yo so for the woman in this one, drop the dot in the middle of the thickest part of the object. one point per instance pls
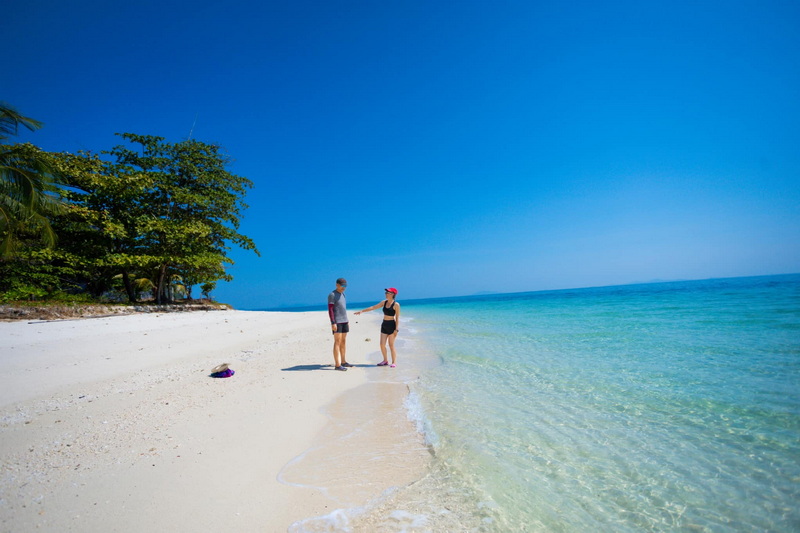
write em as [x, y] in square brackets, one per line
[390, 326]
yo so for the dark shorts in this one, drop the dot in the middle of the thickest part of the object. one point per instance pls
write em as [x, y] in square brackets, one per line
[344, 327]
[388, 327]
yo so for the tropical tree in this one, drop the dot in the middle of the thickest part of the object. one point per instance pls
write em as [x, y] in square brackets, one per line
[28, 185]
[159, 219]
[188, 213]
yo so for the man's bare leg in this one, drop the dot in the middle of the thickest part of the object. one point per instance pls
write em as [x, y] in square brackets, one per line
[343, 350]
[338, 354]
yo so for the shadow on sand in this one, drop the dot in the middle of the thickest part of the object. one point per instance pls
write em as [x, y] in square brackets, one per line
[306, 368]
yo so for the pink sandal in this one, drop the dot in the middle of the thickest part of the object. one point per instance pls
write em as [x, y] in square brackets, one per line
[392, 365]
[383, 363]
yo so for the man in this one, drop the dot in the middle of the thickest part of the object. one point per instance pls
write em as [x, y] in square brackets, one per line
[337, 310]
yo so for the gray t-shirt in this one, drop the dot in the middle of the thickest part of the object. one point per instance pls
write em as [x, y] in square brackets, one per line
[337, 307]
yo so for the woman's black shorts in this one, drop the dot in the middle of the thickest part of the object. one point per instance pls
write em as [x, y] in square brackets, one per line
[388, 327]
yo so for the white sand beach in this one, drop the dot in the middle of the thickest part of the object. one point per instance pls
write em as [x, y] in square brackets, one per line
[113, 424]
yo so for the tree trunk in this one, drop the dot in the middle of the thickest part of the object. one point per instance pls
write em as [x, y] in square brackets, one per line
[162, 275]
[129, 287]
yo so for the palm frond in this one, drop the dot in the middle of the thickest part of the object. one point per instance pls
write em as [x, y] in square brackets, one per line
[143, 284]
[28, 195]
[11, 119]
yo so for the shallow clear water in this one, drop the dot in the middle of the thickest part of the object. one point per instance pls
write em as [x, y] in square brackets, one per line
[672, 406]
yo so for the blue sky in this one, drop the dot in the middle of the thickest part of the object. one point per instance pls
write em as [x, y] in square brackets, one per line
[448, 148]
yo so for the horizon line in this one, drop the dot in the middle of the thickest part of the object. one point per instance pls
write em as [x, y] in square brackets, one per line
[487, 294]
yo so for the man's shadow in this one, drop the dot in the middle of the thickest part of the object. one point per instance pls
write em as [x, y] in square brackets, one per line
[306, 368]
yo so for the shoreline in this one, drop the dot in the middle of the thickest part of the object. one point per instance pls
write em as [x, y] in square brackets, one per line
[370, 451]
[114, 423]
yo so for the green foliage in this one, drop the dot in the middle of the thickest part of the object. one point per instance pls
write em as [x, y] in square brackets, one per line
[37, 273]
[155, 221]
[151, 218]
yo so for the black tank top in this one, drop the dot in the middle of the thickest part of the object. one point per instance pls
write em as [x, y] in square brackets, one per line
[389, 311]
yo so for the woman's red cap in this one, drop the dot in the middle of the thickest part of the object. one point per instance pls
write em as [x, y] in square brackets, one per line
[392, 290]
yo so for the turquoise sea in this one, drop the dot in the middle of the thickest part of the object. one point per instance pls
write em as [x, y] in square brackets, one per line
[657, 407]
